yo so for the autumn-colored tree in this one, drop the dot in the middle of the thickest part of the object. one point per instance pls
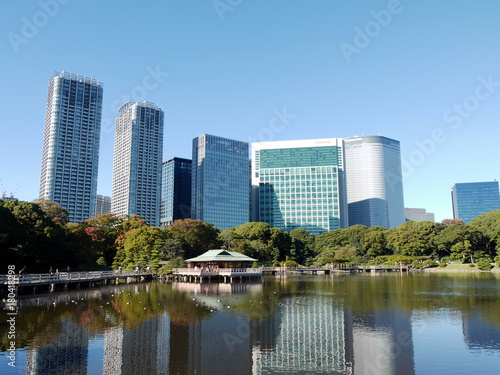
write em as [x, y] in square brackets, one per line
[54, 211]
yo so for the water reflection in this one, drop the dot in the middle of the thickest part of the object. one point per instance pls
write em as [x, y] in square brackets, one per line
[304, 325]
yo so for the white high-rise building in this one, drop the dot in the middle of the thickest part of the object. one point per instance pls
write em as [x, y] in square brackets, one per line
[374, 181]
[70, 155]
[137, 161]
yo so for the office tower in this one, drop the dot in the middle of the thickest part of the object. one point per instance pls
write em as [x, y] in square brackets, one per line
[220, 181]
[102, 205]
[70, 155]
[472, 199]
[374, 181]
[137, 161]
[175, 191]
[300, 184]
[418, 214]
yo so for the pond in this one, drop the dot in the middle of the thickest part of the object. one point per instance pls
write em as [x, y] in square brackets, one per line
[392, 323]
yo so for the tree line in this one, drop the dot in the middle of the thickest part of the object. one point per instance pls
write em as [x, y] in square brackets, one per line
[37, 235]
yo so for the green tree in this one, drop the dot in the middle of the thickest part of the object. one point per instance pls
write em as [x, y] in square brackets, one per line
[460, 241]
[489, 224]
[195, 236]
[54, 211]
[375, 243]
[302, 246]
[414, 238]
[142, 247]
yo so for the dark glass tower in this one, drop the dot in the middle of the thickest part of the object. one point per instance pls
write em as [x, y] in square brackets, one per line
[220, 191]
[175, 191]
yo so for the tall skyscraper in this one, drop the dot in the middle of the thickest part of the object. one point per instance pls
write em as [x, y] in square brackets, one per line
[220, 191]
[374, 181]
[472, 199]
[300, 184]
[71, 144]
[137, 161]
[175, 191]
[102, 205]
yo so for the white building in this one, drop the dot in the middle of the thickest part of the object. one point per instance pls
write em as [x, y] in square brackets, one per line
[70, 155]
[374, 181]
[137, 161]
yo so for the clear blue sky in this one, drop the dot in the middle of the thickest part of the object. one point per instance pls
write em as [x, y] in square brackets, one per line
[424, 72]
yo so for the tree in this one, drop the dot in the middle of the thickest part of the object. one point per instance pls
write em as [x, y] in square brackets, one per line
[195, 236]
[302, 247]
[414, 238]
[489, 224]
[142, 247]
[375, 243]
[459, 241]
[54, 211]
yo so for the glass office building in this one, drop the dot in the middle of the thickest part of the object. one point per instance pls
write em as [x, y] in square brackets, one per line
[472, 199]
[70, 155]
[220, 190]
[175, 191]
[137, 161]
[300, 184]
[374, 181]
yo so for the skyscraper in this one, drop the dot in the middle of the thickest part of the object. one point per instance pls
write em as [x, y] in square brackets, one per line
[137, 161]
[472, 199]
[71, 144]
[300, 184]
[374, 181]
[102, 205]
[220, 191]
[175, 191]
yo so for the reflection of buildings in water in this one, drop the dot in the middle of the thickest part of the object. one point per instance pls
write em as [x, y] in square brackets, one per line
[142, 350]
[379, 342]
[64, 355]
[216, 288]
[305, 335]
[478, 334]
[220, 345]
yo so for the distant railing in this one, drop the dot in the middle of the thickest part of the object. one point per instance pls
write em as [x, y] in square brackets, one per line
[216, 271]
[61, 277]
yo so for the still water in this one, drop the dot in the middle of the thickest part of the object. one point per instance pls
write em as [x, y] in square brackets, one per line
[417, 323]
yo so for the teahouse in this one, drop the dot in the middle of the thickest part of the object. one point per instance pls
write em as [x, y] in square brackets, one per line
[220, 258]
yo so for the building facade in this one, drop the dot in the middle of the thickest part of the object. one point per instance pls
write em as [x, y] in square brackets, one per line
[102, 205]
[220, 191]
[70, 156]
[472, 199]
[175, 191]
[374, 181]
[418, 214]
[137, 160]
[300, 184]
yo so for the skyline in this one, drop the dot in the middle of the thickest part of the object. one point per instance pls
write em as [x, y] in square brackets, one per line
[422, 73]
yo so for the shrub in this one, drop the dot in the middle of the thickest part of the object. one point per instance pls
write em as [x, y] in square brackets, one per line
[472, 265]
[484, 265]
[442, 264]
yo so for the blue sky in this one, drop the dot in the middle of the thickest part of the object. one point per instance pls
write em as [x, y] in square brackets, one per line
[426, 73]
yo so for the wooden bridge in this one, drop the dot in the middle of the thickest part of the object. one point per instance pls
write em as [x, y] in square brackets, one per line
[51, 281]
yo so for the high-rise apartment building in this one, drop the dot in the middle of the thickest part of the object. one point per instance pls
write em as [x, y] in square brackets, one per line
[300, 184]
[70, 155]
[374, 181]
[220, 191]
[472, 199]
[175, 191]
[102, 205]
[137, 161]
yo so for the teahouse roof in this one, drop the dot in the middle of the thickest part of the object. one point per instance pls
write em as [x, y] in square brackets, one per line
[221, 255]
